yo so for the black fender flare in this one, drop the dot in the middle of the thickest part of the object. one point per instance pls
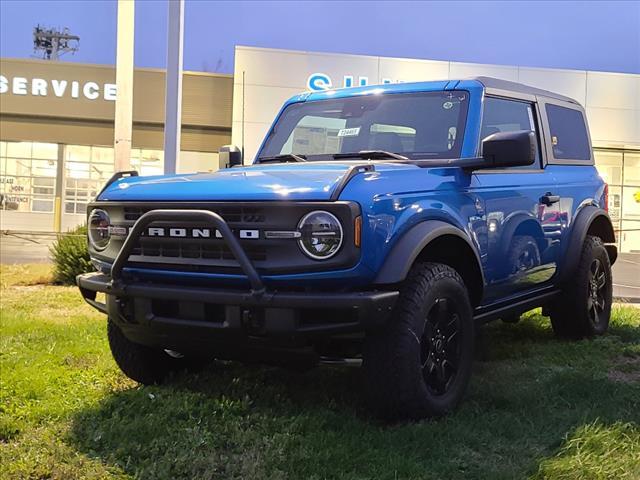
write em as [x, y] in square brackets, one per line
[574, 241]
[404, 253]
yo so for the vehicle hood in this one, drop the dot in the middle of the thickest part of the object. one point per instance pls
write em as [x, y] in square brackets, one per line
[317, 181]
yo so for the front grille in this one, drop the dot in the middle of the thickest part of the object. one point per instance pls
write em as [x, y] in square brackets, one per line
[211, 254]
[208, 252]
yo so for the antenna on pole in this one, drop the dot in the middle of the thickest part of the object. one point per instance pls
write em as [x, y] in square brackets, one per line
[52, 43]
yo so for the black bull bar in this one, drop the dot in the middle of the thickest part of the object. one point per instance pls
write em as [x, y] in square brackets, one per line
[280, 310]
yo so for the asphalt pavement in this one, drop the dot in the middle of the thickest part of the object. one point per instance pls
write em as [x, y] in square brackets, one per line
[33, 248]
[25, 248]
[626, 277]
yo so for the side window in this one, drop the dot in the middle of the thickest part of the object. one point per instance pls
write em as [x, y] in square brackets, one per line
[569, 138]
[502, 115]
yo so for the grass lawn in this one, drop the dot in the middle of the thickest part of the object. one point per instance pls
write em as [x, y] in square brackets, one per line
[536, 408]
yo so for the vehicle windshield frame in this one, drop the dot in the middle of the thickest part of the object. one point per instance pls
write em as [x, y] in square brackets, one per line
[455, 152]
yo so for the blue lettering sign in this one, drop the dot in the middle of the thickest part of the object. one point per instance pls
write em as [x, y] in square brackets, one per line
[318, 82]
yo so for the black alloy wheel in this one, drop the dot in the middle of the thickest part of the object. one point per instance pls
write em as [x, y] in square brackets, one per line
[596, 301]
[439, 346]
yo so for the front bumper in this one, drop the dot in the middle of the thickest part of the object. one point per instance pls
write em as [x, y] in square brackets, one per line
[156, 309]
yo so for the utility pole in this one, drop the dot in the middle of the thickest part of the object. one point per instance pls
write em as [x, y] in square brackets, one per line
[124, 84]
[173, 92]
[53, 42]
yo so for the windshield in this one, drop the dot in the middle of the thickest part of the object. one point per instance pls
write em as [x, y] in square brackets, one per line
[417, 126]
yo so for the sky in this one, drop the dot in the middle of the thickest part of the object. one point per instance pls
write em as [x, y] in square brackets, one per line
[586, 35]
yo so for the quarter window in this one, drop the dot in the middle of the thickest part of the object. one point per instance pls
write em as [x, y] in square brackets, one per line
[569, 137]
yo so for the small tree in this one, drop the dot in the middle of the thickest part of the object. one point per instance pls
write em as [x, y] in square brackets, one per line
[70, 255]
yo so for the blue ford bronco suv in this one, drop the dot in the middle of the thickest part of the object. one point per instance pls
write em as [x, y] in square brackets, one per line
[381, 224]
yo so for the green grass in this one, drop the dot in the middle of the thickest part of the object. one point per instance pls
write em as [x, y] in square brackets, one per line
[537, 408]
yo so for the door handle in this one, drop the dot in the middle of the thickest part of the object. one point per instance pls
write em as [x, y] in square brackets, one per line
[549, 199]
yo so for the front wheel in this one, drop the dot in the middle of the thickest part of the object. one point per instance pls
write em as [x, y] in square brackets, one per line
[585, 306]
[144, 364]
[419, 365]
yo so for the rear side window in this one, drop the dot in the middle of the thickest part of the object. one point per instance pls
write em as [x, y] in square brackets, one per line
[569, 137]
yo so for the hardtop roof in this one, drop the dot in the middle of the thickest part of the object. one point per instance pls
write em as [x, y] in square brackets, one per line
[490, 82]
[433, 85]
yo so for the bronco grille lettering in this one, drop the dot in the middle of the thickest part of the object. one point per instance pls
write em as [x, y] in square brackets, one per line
[172, 232]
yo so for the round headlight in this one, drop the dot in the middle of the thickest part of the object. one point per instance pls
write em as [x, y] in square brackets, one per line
[321, 235]
[98, 229]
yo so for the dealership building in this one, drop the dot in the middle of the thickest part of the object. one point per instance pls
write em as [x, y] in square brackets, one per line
[56, 122]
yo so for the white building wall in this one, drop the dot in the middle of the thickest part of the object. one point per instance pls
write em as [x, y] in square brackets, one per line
[265, 78]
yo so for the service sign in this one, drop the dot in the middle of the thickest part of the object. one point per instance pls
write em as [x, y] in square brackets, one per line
[61, 88]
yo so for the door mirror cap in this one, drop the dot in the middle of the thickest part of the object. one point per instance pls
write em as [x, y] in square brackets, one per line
[229, 156]
[509, 149]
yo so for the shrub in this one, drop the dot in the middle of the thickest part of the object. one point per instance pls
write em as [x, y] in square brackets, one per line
[70, 255]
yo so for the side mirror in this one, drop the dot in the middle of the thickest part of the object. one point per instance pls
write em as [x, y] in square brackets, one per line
[509, 149]
[229, 156]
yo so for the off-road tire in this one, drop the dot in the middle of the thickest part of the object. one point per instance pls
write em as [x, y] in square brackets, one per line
[395, 384]
[572, 315]
[144, 364]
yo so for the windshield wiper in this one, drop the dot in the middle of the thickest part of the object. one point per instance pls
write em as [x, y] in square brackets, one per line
[284, 158]
[370, 155]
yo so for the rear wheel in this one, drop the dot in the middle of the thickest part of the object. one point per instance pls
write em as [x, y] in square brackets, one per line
[585, 306]
[419, 365]
[144, 364]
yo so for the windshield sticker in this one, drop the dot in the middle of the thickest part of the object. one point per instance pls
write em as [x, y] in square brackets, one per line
[349, 132]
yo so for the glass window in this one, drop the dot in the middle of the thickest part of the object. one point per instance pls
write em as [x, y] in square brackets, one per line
[198, 161]
[44, 168]
[77, 153]
[615, 206]
[19, 149]
[632, 168]
[320, 129]
[102, 155]
[86, 170]
[569, 137]
[630, 238]
[27, 176]
[46, 151]
[148, 162]
[609, 165]
[77, 169]
[500, 115]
